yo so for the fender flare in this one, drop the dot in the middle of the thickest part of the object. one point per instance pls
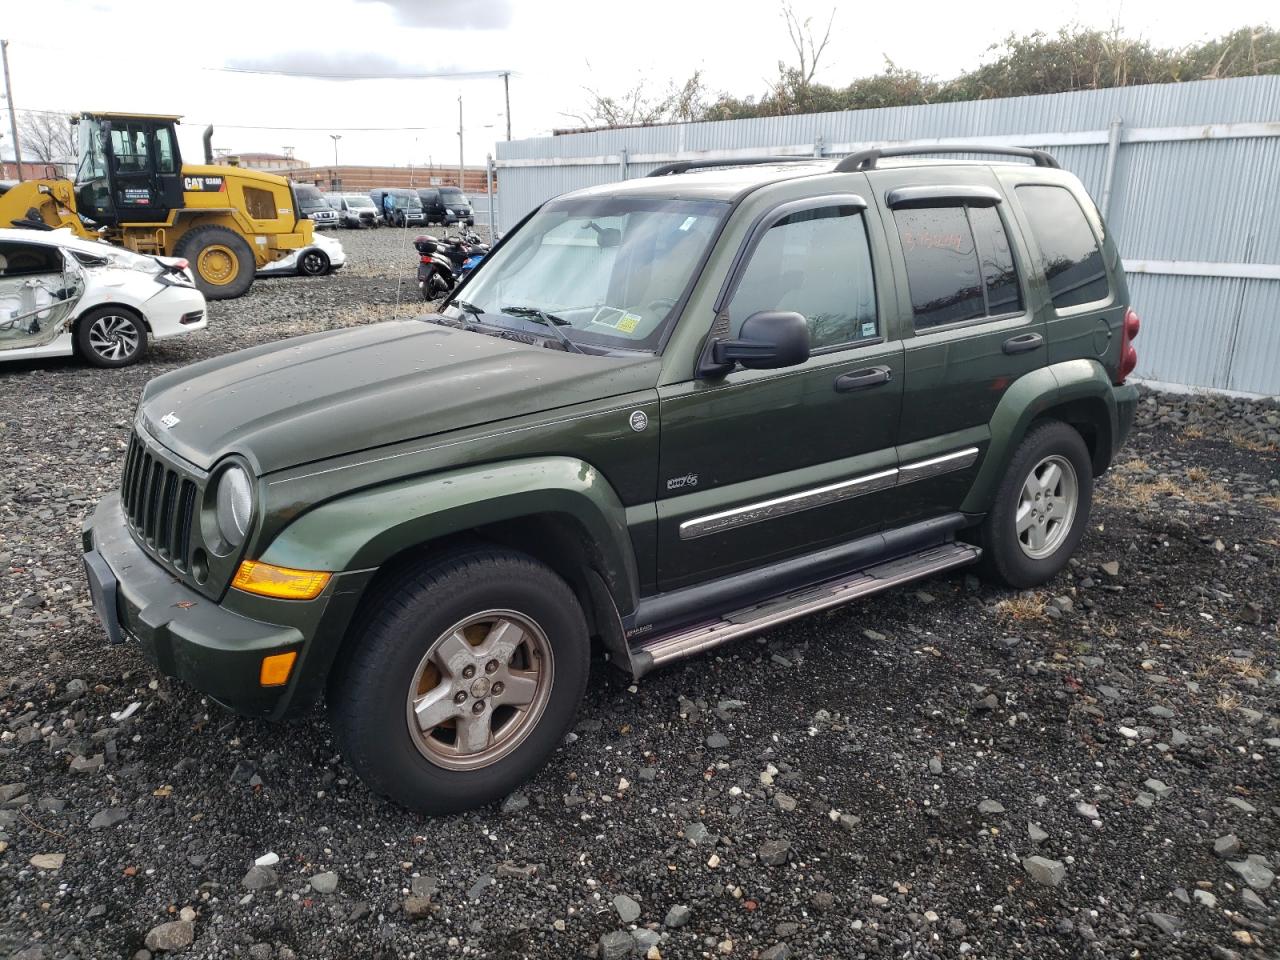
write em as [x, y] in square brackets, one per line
[362, 530]
[1029, 397]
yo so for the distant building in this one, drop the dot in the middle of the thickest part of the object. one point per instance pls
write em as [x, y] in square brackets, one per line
[271, 162]
[361, 179]
[36, 170]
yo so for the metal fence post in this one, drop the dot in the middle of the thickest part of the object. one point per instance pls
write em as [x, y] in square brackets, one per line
[488, 186]
[819, 146]
[622, 164]
[1109, 171]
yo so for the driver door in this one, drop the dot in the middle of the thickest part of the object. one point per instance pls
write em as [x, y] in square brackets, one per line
[760, 465]
[39, 288]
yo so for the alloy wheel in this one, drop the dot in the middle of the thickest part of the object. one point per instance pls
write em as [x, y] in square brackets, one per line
[480, 690]
[114, 337]
[1047, 507]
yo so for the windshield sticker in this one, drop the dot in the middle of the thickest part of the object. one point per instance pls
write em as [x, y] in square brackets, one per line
[868, 328]
[621, 320]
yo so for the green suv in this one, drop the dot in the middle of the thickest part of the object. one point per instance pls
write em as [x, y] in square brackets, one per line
[662, 415]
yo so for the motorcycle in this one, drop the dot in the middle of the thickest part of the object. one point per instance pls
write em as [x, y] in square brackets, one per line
[437, 272]
[466, 250]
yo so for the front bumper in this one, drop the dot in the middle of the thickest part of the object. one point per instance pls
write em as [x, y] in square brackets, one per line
[166, 309]
[185, 635]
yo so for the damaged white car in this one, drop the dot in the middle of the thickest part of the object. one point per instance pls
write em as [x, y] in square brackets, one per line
[324, 255]
[63, 296]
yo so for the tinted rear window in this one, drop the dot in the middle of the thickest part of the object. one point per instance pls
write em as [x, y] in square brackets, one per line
[1069, 252]
[959, 265]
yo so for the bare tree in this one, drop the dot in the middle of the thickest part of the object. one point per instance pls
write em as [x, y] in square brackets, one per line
[808, 50]
[637, 106]
[47, 137]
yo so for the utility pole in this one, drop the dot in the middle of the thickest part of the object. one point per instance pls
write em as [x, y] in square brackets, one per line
[506, 90]
[13, 114]
[335, 137]
[460, 183]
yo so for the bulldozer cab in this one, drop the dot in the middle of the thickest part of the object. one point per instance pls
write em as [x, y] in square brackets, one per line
[129, 168]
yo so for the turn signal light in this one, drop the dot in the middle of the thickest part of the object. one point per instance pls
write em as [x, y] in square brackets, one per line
[276, 668]
[283, 583]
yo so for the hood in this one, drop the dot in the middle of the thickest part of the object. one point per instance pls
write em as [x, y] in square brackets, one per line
[334, 393]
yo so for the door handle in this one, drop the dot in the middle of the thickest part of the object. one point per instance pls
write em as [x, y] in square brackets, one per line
[1023, 343]
[863, 379]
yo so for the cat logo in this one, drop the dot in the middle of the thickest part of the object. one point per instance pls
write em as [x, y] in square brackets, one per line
[204, 184]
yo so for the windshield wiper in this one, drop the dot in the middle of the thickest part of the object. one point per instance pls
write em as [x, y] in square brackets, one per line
[470, 308]
[550, 320]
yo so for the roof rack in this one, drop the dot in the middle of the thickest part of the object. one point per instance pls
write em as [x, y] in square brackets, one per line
[867, 159]
[682, 166]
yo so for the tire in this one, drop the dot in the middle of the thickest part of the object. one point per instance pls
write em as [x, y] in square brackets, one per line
[111, 337]
[1056, 455]
[221, 260]
[372, 689]
[313, 262]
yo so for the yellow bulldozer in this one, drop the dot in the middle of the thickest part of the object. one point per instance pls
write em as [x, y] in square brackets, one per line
[132, 189]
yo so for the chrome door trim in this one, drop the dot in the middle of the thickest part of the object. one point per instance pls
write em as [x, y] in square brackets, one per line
[791, 503]
[932, 467]
[828, 494]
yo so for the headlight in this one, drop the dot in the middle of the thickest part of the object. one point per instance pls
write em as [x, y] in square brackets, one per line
[235, 505]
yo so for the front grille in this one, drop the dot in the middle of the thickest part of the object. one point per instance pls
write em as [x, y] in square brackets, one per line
[159, 503]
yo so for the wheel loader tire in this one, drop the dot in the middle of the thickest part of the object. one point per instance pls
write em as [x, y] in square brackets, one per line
[221, 260]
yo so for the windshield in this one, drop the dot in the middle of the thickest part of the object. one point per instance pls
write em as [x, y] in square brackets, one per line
[360, 203]
[406, 201]
[452, 196]
[609, 269]
[309, 198]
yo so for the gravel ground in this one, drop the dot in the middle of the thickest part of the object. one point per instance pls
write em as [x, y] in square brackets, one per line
[1087, 770]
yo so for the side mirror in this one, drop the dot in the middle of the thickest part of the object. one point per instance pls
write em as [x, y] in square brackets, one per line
[768, 340]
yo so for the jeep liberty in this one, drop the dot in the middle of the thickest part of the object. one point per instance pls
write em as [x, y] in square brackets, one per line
[663, 414]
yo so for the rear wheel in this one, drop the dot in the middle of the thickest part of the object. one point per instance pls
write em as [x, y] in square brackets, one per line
[221, 260]
[111, 337]
[313, 263]
[1041, 509]
[464, 679]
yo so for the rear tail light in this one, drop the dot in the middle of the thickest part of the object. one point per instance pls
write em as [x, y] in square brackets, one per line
[1128, 356]
[424, 259]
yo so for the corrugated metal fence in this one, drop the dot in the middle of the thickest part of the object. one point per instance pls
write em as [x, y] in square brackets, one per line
[1188, 176]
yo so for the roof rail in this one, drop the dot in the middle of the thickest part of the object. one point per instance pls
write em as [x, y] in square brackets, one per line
[867, 159]
[682, 166]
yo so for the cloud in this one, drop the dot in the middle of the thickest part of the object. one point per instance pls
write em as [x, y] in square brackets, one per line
[339, 65]
[450, 14]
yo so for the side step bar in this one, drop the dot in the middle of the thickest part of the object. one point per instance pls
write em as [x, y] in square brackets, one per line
[687, 641]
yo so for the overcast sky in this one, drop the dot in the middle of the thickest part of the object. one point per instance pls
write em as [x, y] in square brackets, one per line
[137, 56]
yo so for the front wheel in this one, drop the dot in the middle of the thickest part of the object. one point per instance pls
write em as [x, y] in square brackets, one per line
[463, 679]
[1041, 508]
[111, 337]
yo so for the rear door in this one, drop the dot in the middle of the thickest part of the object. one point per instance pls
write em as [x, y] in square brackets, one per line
[969, 329]
[764, 464]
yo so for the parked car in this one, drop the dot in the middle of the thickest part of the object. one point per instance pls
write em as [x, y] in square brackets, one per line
[324, 255]
[403, 208]
[662, 414]
[446, 205]
[313, 205]
[355, 210]
[62, 296]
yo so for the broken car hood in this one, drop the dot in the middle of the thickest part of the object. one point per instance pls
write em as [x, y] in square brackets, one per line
[329, 394]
